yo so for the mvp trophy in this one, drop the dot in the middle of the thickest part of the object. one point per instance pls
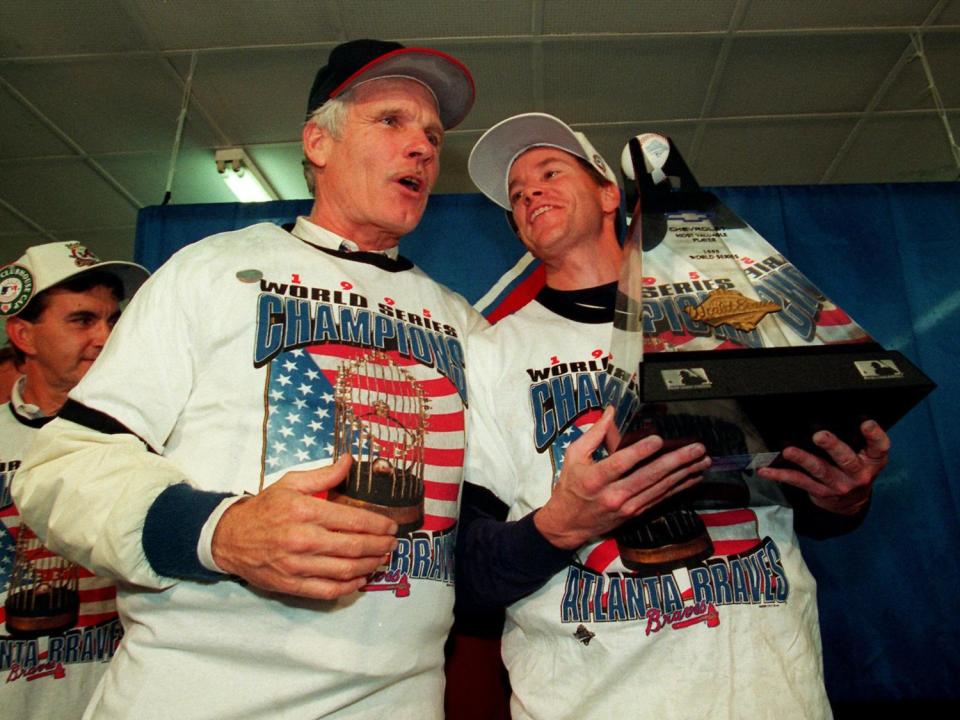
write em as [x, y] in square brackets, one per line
[718, 338]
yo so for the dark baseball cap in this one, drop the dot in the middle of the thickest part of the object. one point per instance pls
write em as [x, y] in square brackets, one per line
[358, 61]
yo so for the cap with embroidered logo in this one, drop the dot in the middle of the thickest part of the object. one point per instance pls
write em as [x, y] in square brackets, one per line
[497, 149]
[43, 266]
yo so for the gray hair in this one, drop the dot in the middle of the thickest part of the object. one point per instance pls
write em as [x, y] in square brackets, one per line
[333, 114]
[329, 117]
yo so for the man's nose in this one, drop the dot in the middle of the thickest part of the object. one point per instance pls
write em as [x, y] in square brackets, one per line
[420, 146]
[529, 193]
[100, 332]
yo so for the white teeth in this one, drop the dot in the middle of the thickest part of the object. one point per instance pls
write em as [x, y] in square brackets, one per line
[540, 211]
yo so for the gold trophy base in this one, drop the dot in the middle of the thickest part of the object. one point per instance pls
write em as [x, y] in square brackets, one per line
[32, 613]
[407, 517]
[668, 556]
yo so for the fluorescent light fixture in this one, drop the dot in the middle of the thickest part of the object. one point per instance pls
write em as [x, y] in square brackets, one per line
[242, 176]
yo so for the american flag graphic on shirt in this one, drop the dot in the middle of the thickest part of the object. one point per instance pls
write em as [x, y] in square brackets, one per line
[578, 427]
[300, 433]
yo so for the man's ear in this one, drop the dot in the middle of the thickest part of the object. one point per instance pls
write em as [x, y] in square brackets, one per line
[316, 144]
[20, 333]
[609, 197]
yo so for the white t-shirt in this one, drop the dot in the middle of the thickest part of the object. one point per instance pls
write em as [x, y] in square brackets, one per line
[50, 674]
[735, 636]
[227, 363]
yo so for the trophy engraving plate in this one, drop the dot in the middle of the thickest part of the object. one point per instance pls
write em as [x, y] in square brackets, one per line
[730, 307]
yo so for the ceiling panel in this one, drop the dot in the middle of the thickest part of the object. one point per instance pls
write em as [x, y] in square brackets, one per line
[64, 193]
[943, 54]
[107, 105]
[10, 225]
[437, 19]
[182, 24]
[908, 90]
[632, 79]
[783, 86]
[805, 74]
[55, 27]
[785, 152]
[257, 96]
[950, 14]
[505, 80]
[899, 149]
[626, 16]
[143, 174]
[836, 14]
[21, 134]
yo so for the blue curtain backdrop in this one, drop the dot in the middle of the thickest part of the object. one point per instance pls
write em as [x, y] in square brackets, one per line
[888, 255]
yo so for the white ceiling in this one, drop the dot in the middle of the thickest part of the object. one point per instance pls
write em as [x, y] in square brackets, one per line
[754, 92]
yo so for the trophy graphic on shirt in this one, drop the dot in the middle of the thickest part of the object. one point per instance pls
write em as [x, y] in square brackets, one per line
[43, 596]
[718, 338]
[381, 421]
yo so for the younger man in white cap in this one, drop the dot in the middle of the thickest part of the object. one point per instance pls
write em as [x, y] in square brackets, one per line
[734, 635]
[59, 625]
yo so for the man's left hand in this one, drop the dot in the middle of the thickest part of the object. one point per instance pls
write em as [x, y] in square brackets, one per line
[843, 486]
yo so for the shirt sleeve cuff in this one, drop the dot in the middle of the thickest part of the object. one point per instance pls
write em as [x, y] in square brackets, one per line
[205, 543]
[172, 530]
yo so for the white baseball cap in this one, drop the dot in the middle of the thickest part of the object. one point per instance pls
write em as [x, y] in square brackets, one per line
[43, 266]
[497, 149]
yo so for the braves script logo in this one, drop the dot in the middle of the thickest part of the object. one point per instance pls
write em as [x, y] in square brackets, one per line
[701, 612]
[390, 581]
[49, 669]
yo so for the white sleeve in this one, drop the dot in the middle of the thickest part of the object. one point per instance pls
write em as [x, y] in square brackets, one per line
[144, 376]
[489, 463]
[86, 494]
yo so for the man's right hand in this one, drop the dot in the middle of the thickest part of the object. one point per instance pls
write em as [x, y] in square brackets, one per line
[592, 498]
[286, 540]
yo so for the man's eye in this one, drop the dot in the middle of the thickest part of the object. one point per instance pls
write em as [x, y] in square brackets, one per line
[434, 139]
[390, 120]
[515, 197]
[551, 173]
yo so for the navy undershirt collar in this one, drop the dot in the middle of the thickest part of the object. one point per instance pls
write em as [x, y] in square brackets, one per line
[586, 305]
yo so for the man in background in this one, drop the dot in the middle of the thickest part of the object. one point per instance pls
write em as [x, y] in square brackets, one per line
[263, 574]
[59, 622]
[731, 635]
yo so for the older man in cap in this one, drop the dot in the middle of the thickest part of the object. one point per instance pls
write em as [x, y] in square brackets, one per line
[729, 634]
[269, 453]
[59, 623]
